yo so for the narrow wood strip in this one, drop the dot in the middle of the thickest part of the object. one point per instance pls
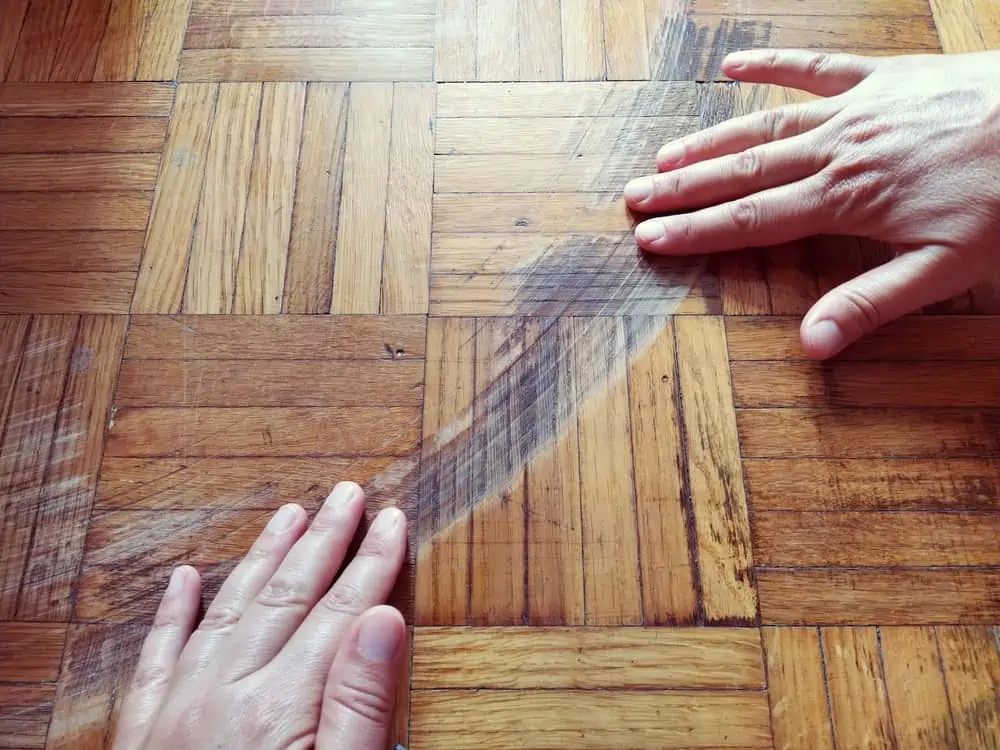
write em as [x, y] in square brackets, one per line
[858, 701]
[71, 472]
[311, 251]
[59, 293]
[260, 275]
[583, 40]
[10, 32]
[286, 337]
[79, 172]
[571, 99]
[215, 249]
[196, 383]
[665, 557]
[894, 8]
[742, 285]
[588, 658]
[918, 698]
[86, 100]
[36, 135]
[539, 37]
[299, 31]
[74, 211]
[972, 673]
[161, 44]
[455, 46]
[121, 46]
[589, 720]
[717, 494]
[160, 286]
[959, 26]
[626, 45]
[13, 333]
[496, 54]
[357, 277]
[538, 173]
[25, 711]
[298, 431]
[791, 279]
[36, 45]
[31, 651]
[553, 214]
[307, 7]
[796, 686]
[405, 275]
[328, 64]
[80, 42]
[889, 597]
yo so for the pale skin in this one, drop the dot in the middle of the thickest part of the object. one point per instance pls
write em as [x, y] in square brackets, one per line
[903, 150]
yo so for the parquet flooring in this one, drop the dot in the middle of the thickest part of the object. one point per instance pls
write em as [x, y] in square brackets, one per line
[249, 248]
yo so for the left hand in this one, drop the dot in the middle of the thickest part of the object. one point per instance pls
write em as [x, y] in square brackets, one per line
[903, 150]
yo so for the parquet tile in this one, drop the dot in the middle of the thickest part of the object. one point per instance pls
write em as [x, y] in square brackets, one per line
[249, 248]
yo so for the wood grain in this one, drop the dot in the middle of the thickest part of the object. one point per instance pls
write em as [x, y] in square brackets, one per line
[796, 682]
[308, 64]
[505, 213]
[306, 7]
[121, 45]
[966, 26]
[24, 714]
[15, 12]
[31, 651]
[344, 30]
[357, 275]
[858, 701]
[160, 286]
[80, 41]
[64, 252]
[539, 173]
[625, 42]
[79, 172]
[972, 673]
[86, 100]
[583, 40]
[496, 56]
[61, 293]
[163, 40]
[35, 53]
[587, 658]
[455, 47]
[716, 483]
[539, 37]
[24, 135]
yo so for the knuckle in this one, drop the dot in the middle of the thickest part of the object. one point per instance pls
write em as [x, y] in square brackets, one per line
[284, 594]
[817, 65]
[669, 183]
[746, 215]
[150, 677]
[864, 308]
[747, 166]
[773, 124]
[344, 599]
[853, 189]
[219, 618]
[364, 697]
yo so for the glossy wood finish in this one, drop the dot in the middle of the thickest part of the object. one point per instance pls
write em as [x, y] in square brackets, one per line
[252, 247]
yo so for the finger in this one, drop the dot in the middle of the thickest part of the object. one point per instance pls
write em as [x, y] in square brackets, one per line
[741, 133]
[816, 72]
[903, 285]
[161, 649]
[240, 588]
[771, 217]
[303, 576]
[360, 690]
[366, 582]
[726, 178]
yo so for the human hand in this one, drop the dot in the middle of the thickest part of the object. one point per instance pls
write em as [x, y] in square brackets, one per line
[904, 150]
[280, 659]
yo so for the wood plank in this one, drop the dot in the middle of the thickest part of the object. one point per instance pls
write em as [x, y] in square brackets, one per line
[571, 99]
[357, 276]
[796, 686]
[924, 338]
[308, 64]
[583, 40]
[300, 31]
[859, 705]
[236, 483]
[625, 42]
[612, 584]
[260, 275]
[889, 597]
[455, 45]
[791, 279]
[866, 384]
[918, 698]
[538, 173]
[446, 484]
[27, 443]
[218, 233]
[872, 484]
[10, 32]
[13, 334]
[306, 7]
[74, 211]
[817, 32]
[160, 286]
[792, 539]
[641, 138]
[118, 56]
[61, 293]
[48, 587]
[554, 530]
[38, 42]
[868, 433]
[543, 658]
[527, 254]
[539, 37]
[292, 431]
[35, 135]
[86, 100]
[553, 214]
[960, 25]
[589, 720]
[78, 172]
[972, 673]
[742, 284]
[31, 651]
[287, 337]
[716, 479]
[245, 383]
[24, 715]
[408, 204]
[311, 252]
[163, 40]
[80, 41]
[894, 8]
[496, 56]
[668, 576]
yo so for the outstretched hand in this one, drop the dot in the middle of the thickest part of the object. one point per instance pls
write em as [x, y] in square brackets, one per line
[280, 659]
[903, 150]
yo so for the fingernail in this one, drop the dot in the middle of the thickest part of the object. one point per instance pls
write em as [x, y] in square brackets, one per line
[639, 190]
[825, 337]
[284, 518]
[669, 155]
[650, 232]
[176, 580]
[386, 521]
[343, 494]
[379, 638]
[739, 59]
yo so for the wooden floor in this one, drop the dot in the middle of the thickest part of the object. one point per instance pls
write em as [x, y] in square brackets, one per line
[252, 247]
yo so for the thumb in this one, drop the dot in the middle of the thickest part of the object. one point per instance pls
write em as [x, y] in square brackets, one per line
[359, 698]
[816, 72]
[903, 285]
